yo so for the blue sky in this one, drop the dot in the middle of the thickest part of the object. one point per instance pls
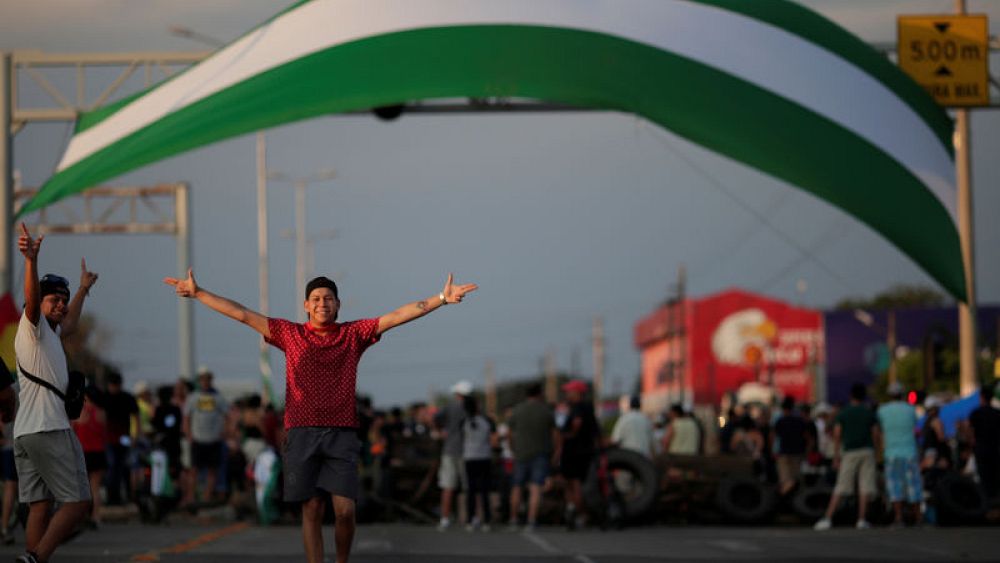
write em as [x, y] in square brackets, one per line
[559, 218]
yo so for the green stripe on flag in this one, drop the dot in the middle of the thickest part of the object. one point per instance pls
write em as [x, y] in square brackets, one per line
[814, 28]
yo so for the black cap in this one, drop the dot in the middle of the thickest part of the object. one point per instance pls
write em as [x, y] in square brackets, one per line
[321, 281]
[53, 284]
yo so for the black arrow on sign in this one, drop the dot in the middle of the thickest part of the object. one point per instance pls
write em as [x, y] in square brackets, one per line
[942, 26]
[942, 71]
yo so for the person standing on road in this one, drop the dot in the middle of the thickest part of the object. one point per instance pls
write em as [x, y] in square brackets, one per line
[451, 471]
[8, 472]
[90, 429]
[321, 363]
[898, 421]
[532, 437]
[855, 433]
[633, 430]
[49, 459]
[121, 412]
[478, 438]
[204, 426]
[985, 422]
[794, 440]
[579, 440]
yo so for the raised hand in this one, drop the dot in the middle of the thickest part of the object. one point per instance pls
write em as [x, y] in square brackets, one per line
[87, 278]
[184, 288]
[27, 245]
[455, 293]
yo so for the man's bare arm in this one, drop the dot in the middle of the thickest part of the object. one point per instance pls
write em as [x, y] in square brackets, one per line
[189, 288]
[29, 247]
[75, 308]
[450, 294]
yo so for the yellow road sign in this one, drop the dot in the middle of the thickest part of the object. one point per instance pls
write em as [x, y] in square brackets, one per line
[948, 55]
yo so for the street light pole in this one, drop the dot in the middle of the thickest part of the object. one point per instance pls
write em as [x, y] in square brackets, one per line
[262, 264]
[968, 377]
[300, 240]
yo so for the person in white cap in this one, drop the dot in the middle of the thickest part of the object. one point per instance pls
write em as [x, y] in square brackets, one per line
[898, 420]
[321, 369]
[451, 472]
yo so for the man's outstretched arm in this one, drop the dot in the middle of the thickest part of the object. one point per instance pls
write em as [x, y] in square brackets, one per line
[75, 308]
[29, 247]
[236, 311]
[450, 294]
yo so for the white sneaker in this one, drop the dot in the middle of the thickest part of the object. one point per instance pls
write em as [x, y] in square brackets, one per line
[485, 528]
[444, 524]
[822, 525]
[863, 525]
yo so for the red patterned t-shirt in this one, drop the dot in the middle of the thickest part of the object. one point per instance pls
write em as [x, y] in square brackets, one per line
[321, 370]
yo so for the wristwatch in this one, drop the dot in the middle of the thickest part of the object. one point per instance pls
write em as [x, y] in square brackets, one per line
[443, 300]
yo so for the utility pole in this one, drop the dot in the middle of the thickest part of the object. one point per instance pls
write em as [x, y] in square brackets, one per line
[263, 285]
[598, 344]
[300, 185]
[6, 172]
[968, 378]
[491, 390]
[549, 368]
[890, 341]
[680, 334]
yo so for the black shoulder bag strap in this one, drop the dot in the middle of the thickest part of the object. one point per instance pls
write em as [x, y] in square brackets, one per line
[43, 383]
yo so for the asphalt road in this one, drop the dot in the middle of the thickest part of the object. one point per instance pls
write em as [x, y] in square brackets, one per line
[191, 542]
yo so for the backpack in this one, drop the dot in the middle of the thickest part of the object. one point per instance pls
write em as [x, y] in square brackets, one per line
[72, 397]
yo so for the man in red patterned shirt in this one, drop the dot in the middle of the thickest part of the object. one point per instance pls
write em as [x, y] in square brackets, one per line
[321, 363]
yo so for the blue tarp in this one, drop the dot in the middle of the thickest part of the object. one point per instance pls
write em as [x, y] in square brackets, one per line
[954, 412]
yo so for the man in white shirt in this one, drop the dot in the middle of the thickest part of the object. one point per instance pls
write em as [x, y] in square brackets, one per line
[49, 459]
[633, 430]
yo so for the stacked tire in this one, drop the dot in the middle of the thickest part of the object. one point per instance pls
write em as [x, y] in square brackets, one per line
[745, 500]
[959, 501]
[643, 476]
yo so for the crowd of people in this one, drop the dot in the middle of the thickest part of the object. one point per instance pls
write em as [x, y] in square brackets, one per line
[536, 443]
[208, 444]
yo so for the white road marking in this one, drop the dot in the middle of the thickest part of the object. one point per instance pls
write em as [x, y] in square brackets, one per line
[546, 546]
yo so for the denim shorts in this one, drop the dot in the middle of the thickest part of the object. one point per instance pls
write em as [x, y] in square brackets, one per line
[319, 460]
[534, 470]
[902, 480]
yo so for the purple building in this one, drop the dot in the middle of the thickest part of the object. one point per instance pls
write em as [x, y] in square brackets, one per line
[856, 349]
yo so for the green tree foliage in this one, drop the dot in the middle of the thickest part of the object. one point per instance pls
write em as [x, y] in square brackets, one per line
[911, 372]
[897, 297]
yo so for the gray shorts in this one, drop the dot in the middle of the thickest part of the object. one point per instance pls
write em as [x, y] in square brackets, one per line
[319, 460]
[51, 466]
[451, 473]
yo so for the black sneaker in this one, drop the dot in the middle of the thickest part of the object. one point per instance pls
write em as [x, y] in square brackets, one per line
[27, 557]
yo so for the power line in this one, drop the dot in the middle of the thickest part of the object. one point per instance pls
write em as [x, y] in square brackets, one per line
[719, 186]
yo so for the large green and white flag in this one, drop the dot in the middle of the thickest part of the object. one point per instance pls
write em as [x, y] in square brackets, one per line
[765, 82]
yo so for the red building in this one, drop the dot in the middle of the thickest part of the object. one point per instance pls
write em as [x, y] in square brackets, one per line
[694, 351]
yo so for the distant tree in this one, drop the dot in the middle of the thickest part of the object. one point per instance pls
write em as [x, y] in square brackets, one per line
[85, 349]
[897, 297]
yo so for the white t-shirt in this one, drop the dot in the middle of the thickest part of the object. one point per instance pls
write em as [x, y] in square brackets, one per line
[634, 431]
[39, 350]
